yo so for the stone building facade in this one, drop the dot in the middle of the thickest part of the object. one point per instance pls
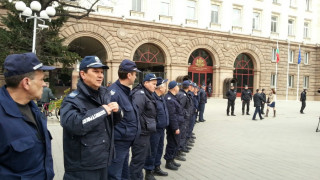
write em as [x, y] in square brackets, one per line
[120, 38]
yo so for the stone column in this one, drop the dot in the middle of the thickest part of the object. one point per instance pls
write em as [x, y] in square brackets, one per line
[222, 73]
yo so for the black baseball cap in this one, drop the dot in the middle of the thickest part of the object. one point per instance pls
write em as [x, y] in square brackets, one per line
[17, 64]
[92, 62]
[161, 81]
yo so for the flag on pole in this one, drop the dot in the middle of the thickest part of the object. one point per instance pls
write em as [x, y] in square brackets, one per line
[299, 57]
[278, 56]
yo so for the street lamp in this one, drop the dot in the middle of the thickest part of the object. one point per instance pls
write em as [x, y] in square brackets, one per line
[35, 6]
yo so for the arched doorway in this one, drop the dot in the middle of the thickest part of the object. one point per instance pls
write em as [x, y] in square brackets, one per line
[200, 69]
[88, 46]
[149, 59]
[243, 72]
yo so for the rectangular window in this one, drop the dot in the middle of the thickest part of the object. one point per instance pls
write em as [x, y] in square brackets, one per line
[306, 58]
[273, 80]
[214, 14]
[290, 27]
[290, 81]
[306, 30]
[136, 5]
[307, 5]
[306, 82]
[274, 22]
[165, 7]
[236, 17]
[191, 10]
[275, 1]
[274, 55]
[256, 20]
[291, 53]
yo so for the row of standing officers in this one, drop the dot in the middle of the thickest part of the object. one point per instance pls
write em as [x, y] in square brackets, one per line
[101, 125]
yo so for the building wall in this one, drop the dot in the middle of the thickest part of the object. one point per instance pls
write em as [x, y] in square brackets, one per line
[121, 38]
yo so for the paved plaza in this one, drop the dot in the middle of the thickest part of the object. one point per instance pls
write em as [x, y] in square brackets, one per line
[285, 147]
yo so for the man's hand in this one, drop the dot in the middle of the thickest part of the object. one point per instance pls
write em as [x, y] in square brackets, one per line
[114, 106]
[107, 108]
[177, 131]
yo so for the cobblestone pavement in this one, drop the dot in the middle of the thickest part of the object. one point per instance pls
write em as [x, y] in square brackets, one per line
[284, 147]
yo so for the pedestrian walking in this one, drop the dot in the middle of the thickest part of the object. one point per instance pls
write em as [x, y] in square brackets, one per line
[147, 112]
[88, 125]
[257, 101]
[303, 98]
[264, 97]
[25, 142]
[231, 95]
[176, 118]
[246, 97]
[128, 127]
[271, 102]
[202, 103]
[47, 94]
[209, 90]
[153, 161]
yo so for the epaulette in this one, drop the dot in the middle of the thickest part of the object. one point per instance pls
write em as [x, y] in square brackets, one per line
[141, 92]
[112, 92]
[73, 94]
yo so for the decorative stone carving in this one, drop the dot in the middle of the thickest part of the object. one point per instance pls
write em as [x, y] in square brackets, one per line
[122, 33]
[179, 40]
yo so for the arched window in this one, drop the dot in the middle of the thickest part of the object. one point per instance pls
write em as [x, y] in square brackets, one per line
[244, 72]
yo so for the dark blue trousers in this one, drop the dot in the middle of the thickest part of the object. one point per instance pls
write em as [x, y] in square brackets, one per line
[98, 174]
[156, 146]
[173, 142]
[258, 110]
[183, 134]
[191, 125]
[201, 111]
[140, 150]
[119, 168]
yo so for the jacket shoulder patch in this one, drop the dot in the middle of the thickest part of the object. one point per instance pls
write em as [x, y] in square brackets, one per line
[73, 94]
[112, 92]
[142, 92]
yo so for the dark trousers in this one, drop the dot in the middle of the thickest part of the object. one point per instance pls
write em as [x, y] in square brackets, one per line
[262, 108]
[303, 105]
[173, 142]
[201, 111]
[156, 146]
[119, 168]
[230, 104]
[244, 103]
[191, 125]
[258, 110]
[140, 149]
[98, 174]
[183, 134]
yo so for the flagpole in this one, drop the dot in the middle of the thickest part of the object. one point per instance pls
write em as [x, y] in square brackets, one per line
[288, 70]
[276, 79]
[299, 61]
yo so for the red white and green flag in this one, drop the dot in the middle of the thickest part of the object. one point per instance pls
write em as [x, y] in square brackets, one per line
[278, 57]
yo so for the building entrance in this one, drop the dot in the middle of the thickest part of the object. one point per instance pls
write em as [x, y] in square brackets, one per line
[243, 72]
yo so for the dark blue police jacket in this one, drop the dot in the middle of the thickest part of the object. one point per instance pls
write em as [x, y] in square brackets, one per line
[128, 127]
[185, 103]
[162, 111]
[22, 154]
[191, 102]
[147, 109]
[87, 129]
[196, 101]
[203, 96]
[176, 115]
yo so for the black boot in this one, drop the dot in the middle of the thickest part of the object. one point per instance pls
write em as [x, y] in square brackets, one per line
[180, 153]
[149, 175]
[176, 164]
[274, 113]
[180, 158]
[170, 165]
[158, 172]
[267, 113]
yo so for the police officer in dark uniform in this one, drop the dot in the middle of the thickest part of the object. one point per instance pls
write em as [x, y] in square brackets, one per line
[176, 118]
[88, 126]
[183, 98]
[232, 95]
[25, 142]
[192, 119]
[263, 95]
[153, 161]
[202, 103]
[142, 97]
[246, 97]
[257, 100]
[303, 98]
[128, 128]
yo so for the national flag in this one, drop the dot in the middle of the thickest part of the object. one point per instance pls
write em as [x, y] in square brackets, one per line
[299, 57]
[278, 57]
